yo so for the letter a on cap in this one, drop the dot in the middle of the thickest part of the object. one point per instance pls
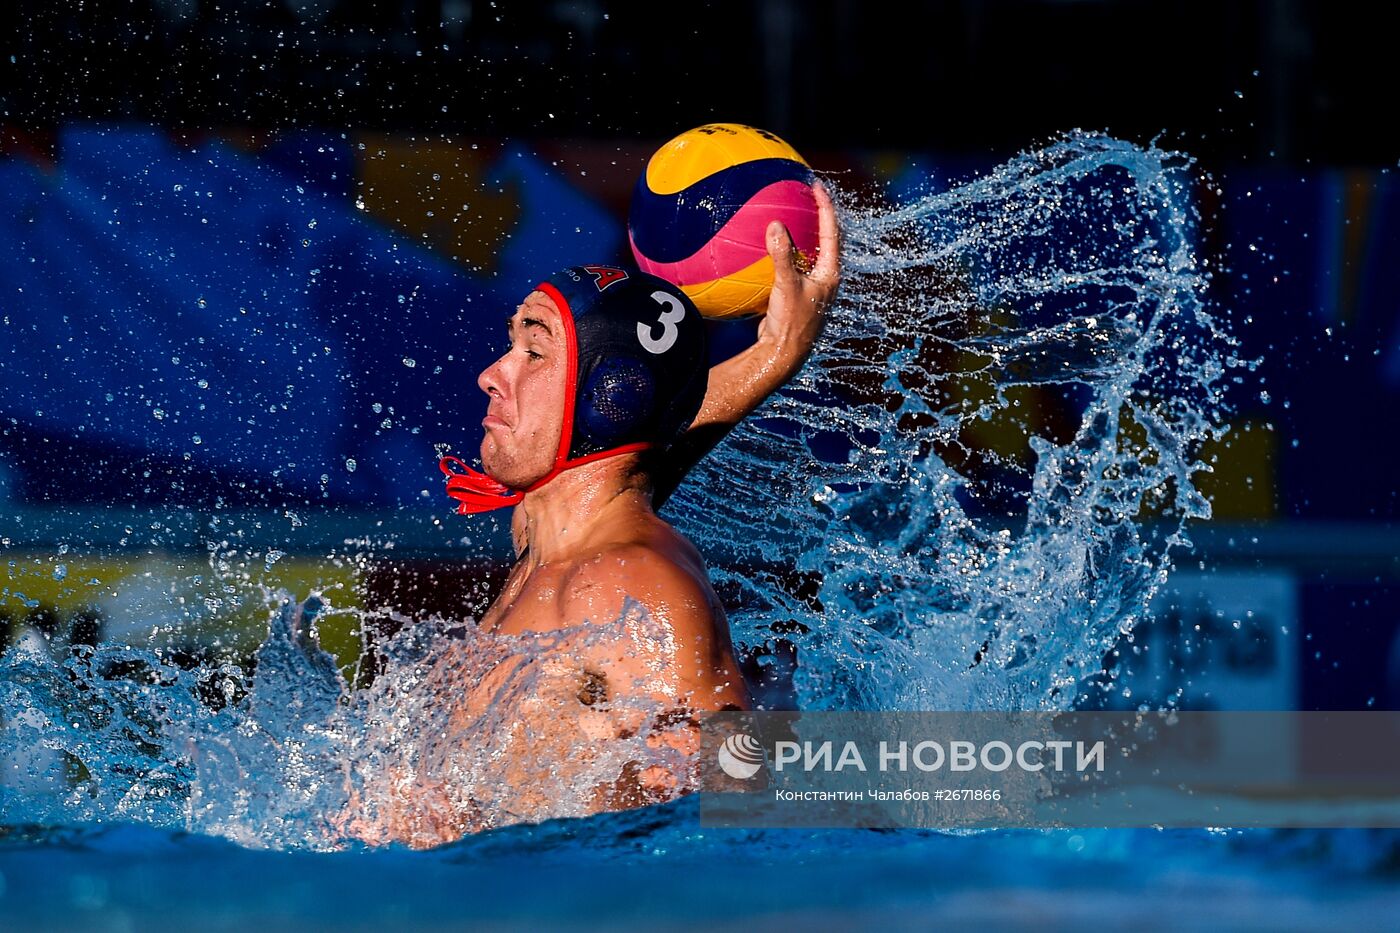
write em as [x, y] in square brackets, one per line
[603, 276]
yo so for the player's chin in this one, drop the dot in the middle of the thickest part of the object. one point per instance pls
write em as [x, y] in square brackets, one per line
[495, 463]
[498, 464]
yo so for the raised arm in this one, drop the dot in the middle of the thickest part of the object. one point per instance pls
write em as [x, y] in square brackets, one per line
[786, 334]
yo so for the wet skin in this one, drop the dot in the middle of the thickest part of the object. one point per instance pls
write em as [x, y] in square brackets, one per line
[591, 533]
[589, 540]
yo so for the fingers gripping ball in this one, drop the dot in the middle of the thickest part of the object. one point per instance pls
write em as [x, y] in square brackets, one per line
[702, 208]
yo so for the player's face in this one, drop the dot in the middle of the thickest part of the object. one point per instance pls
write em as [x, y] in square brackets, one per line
[526, 389]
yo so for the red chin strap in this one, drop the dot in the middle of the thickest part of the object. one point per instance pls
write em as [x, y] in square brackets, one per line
[476, 492]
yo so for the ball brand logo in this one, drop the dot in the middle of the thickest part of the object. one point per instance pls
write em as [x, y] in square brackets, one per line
[740, 756]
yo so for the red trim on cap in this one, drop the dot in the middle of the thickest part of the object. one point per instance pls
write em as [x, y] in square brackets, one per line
[610, 452]
[587, 458]
[566, 433]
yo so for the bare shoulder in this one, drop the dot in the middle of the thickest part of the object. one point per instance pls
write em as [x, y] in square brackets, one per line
[661, 576]
[683, 656]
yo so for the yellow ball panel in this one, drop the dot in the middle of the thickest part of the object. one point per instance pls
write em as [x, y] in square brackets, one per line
[738, 295]
[699, 153]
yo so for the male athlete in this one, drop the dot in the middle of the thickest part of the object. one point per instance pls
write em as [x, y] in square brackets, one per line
[602, 402]
[602, 397]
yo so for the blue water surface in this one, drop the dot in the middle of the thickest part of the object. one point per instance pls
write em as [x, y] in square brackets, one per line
[654, 868]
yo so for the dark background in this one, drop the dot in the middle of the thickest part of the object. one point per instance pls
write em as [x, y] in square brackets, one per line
[1297, 81]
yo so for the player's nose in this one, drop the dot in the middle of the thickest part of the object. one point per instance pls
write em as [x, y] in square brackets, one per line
[490, 381]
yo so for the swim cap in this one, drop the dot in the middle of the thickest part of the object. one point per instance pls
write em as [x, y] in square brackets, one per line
[637, 373]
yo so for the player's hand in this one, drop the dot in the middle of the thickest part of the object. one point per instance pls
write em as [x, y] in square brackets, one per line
[786, 334]
[800, 298]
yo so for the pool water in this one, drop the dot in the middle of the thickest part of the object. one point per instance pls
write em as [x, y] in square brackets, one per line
[655, 869]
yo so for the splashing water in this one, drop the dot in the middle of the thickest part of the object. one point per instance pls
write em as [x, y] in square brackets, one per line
[965, 555]
[972, 490]
[461, 731]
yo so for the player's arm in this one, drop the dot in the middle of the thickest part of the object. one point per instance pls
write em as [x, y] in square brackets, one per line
[786, 334]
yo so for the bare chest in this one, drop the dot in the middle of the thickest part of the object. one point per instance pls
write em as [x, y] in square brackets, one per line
[531, 601]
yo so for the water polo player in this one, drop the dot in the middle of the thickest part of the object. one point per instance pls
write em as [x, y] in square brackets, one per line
[602, 401]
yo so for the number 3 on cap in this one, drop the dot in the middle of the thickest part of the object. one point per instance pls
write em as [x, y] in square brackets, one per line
[673, 315]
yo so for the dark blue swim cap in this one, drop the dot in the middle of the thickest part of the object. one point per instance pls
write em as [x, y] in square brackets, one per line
[641, 362]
